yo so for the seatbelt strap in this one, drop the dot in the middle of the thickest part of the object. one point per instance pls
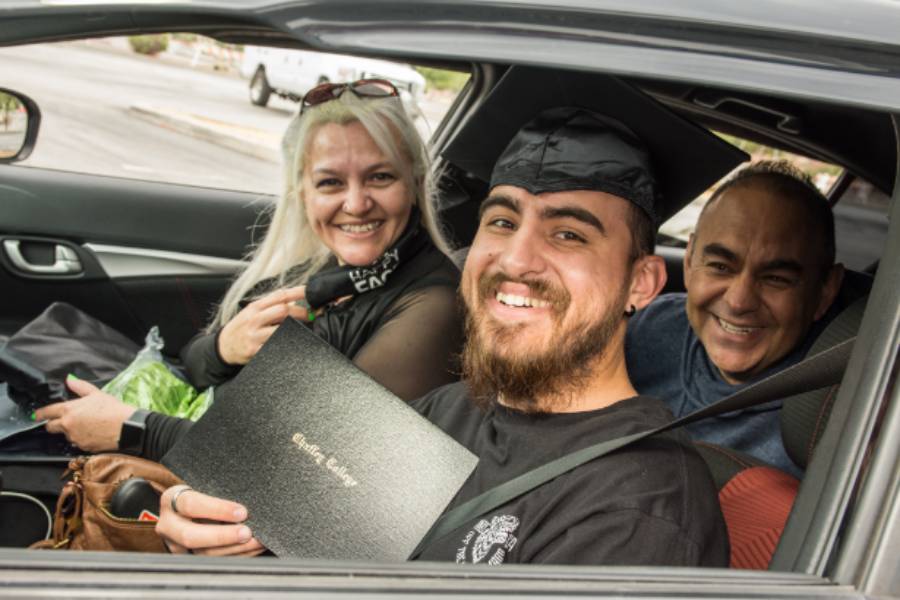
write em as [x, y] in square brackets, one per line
[819, 370]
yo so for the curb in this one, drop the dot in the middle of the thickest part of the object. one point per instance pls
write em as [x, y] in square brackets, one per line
[246, 140]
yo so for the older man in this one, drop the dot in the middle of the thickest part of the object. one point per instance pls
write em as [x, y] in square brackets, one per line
[561, 257]
[760, 274]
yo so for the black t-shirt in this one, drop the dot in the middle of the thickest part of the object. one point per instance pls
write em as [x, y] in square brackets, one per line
[650, 503]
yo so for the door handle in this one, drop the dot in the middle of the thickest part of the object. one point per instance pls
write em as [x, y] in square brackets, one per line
[66, 262]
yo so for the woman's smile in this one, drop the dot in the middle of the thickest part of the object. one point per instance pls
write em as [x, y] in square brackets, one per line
[360, 229]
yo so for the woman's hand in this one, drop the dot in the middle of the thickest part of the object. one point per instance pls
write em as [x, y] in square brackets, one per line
[244, 335]
[93, 422]
[225, 536]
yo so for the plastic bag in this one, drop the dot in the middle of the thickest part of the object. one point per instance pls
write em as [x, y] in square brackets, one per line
[150, 384]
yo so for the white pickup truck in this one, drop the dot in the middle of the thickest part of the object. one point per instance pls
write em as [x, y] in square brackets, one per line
[290, 73]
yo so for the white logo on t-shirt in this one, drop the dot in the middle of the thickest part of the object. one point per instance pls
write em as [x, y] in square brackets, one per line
[491, 539]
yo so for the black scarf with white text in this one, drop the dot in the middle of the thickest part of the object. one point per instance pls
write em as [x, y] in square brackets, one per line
[349, 280]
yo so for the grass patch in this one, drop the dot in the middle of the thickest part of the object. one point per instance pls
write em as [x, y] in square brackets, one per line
[442, 79]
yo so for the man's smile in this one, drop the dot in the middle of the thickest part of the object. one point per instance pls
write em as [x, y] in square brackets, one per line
[736, 329]
[521, 301]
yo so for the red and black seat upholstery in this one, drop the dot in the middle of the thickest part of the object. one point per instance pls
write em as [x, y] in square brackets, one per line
[756, 498]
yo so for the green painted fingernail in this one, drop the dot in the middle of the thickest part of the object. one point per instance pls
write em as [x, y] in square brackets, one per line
[33, 417]
[72, 377]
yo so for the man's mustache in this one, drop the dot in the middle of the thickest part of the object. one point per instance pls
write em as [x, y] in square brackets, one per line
[556, 296]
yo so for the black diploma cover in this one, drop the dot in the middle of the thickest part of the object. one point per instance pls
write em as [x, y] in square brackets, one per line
[328, 462]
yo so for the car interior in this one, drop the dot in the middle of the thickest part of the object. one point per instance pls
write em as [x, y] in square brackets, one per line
[152, 253]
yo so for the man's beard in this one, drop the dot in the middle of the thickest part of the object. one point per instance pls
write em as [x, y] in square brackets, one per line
[540, 381]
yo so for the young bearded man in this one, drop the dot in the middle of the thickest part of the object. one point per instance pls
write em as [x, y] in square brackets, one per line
[760, 276]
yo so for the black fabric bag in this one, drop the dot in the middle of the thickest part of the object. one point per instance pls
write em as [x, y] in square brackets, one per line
[35, 361]
[63, 340]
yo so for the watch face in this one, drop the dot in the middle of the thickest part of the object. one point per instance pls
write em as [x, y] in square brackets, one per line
[131, 439]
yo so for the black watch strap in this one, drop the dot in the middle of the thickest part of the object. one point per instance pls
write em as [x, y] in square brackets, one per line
[131, 437]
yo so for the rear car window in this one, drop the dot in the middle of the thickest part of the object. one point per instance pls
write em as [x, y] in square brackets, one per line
[860, 213]
[861, 226]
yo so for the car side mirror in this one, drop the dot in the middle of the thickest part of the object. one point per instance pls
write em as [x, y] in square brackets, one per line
[19, 121]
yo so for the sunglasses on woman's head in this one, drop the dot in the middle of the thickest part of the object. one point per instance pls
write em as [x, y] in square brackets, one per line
[363, 88]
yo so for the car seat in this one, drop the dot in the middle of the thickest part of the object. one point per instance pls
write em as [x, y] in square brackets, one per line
[756, 498]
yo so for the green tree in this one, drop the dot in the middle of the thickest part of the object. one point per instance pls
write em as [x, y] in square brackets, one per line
[150, 45]
[443, 79]
[8, 104]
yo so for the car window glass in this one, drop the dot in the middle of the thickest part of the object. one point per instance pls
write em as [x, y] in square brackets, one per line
[682, 224]
[861, 225]
[181, 108]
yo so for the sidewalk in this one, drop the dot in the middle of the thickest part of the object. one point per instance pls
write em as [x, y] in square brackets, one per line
[247, 140]
[253, 131]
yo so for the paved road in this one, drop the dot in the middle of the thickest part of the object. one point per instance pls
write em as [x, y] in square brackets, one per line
[85, 91]
[84, 94]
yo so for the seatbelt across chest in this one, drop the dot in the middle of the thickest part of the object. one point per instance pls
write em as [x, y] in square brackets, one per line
[820, 370]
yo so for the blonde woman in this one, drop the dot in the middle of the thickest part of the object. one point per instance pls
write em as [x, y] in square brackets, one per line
[352, 249]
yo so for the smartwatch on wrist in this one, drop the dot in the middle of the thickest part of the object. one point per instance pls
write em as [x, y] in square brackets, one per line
[131, 437]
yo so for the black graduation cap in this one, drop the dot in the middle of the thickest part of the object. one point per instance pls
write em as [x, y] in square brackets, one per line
[685, 158]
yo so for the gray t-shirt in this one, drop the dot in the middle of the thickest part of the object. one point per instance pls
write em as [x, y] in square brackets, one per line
[666, 359]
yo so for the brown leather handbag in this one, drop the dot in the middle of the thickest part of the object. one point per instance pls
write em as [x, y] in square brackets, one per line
[83, 520]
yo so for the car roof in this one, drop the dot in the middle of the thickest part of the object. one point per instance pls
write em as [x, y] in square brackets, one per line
[864, 21]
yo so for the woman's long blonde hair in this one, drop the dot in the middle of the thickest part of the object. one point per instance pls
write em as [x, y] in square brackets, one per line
[290, 239]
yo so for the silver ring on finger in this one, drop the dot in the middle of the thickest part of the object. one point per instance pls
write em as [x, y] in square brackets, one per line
[174, 502]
